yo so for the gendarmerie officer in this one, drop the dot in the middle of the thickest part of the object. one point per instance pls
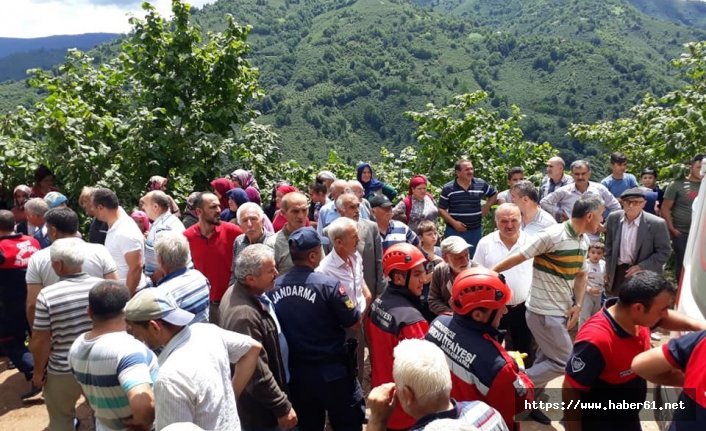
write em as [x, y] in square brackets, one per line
[314, 311]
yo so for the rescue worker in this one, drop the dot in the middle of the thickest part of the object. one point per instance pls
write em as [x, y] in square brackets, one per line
[396, 315]
[314, 310]
[481, 369]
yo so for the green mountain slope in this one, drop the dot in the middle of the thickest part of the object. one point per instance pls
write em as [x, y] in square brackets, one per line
[341, 73]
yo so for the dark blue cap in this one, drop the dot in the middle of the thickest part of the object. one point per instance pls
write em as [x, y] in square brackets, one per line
[304, 239]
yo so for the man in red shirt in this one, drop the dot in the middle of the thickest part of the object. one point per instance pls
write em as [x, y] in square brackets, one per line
[599, 370]
[15, 251]
[211, 245]
[396, 315]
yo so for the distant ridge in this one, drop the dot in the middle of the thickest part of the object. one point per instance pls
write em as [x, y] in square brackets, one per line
[12, 45]
[17, 54]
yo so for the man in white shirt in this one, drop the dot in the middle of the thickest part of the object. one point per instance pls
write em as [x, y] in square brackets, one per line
[345, 264]
[194, 383]
[124, 240]
[495, 247]
[561, 202]
[534, 218]
[63, 223]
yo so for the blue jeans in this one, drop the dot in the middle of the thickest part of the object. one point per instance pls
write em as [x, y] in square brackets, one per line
[471, 236]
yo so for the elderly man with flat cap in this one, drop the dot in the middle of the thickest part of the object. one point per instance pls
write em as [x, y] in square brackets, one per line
[455, 252]
[315, 311]
[635, 240]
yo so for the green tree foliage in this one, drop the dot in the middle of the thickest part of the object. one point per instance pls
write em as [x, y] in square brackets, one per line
[660, 131]
[168, 104]
[464, 130]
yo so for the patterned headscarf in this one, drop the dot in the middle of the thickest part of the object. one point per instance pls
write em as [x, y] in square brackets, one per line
[244, 178]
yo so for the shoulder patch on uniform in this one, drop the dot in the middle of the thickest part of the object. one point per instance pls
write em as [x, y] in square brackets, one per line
[349, 303]
[577, 364]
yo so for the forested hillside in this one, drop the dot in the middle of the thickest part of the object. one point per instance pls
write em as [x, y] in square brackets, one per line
[341, 73]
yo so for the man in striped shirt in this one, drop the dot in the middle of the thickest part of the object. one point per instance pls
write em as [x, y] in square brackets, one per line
[115, 371]
[558, 287]
[391, 231]
[460, 204]
[59, 319]
[188, 286]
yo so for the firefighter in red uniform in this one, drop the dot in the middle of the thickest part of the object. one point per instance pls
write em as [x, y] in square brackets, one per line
[481, 369]
[396, 315]
[15, 251]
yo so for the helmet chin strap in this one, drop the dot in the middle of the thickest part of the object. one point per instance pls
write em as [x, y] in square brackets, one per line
[407, 278]
[492, 317]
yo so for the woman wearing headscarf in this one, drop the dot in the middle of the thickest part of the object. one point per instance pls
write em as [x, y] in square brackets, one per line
[220, 188]
[279, 220]
[236, 197]
[371, 185]
[418, 205]
[245, 180]
[142, 221]
[20, 195]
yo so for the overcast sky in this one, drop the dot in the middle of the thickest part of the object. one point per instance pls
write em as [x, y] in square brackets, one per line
[36, 18]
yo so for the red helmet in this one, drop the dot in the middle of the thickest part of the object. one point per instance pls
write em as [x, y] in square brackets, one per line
[479, 287]
[402, 257]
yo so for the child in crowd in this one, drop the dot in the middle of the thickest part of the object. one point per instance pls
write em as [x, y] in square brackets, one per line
[428, 238]
[595, 290]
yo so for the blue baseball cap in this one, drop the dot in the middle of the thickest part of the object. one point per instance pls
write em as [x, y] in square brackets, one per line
[304, 239]
[153, 304]
[54, 199]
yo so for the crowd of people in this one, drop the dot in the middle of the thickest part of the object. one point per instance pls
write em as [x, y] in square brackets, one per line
[238, 312]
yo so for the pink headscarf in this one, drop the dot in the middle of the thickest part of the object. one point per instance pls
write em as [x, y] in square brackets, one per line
[143, 222]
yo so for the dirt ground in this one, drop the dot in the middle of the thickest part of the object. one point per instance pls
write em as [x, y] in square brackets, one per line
[16, 415]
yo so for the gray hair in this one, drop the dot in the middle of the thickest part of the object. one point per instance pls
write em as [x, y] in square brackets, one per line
[506, 208]
[86, 195]
[558, 159]
[290, 198]
[580, 164]
[422, 366]
[526, 188]
[160, 198]
[356, 184]
[251, 259]
[585, 205]
[36, 206]
[339, 183]
[338, 228]
[172, 249]
[69, 251]
[248, 206]
[340, 201]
